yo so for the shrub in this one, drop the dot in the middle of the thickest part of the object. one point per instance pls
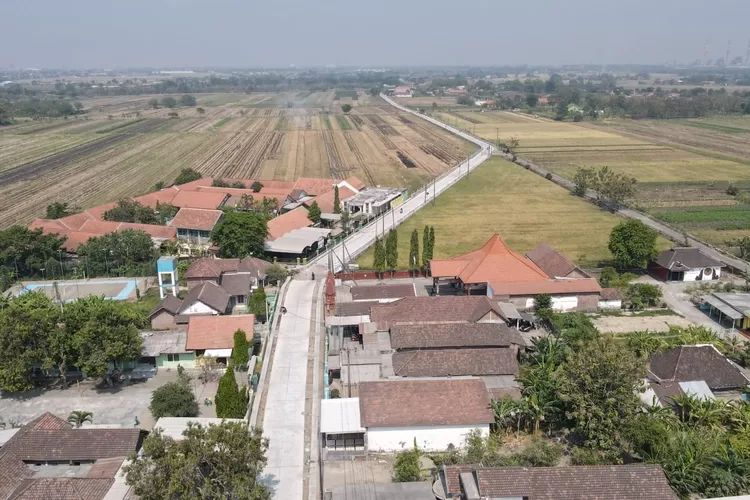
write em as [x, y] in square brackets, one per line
[230, 402]
[540, 453]
[276, 273]
[642, 295]
[240, 355]
[548, 176]
[589, 456]
[174, 399]
[732, 190]
[335, 394]
[406, 469]
[256, 186]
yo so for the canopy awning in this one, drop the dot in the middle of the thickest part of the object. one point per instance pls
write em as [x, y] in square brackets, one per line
[218, 353]
[722, 306]
[509, 310]
[340, 416]
[297, 240]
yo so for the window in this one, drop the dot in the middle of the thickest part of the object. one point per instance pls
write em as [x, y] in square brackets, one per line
[240, 299]
[173, 357]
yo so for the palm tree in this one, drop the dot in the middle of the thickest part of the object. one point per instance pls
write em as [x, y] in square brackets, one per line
[685, 403]
[78, 417]
[504, 410]
[664, 414]
[645, 343]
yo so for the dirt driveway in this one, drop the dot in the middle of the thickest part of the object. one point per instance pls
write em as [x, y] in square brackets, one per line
[625, 324]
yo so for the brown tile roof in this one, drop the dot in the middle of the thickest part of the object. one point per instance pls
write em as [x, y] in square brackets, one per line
[405, 403]
[217, 332]
[355, 308]
[552, 287]
[170, 303]
[494, 262]
[193, 218]
[49, 438]
[199, 199]
[683, 259]
[552, 262]
[606, 482]
[209, 267]
[456, 362]
[313, 187]
[237, 284]
[12, 472]
[513, 393]
[462, 308]
[208, 293]
[691, 363]
[611, 294]
[446, 335]
[382, 291]
[294, 219]
[62, 488]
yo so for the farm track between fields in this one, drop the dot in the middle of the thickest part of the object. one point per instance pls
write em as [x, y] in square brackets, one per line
[47, 164]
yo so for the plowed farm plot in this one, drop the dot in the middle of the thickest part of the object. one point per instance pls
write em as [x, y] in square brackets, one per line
[123, 147]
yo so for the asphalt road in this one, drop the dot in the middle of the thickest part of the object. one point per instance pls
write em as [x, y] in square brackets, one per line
[358, 242]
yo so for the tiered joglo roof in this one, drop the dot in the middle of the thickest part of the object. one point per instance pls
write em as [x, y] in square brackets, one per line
[493, 263]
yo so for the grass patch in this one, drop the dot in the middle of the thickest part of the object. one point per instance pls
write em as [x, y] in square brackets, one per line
[119, 126]
[636, 314]
[719, 217]
[726, 129]
[222, 122]
[344, 94]
[522, 207]
[326, 122]
[343, 122]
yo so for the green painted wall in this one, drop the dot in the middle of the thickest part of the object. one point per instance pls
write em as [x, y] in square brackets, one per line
[187, 360]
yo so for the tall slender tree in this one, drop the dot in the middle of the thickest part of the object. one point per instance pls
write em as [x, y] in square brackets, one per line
[379, 257]
[336, 201]
[229, 400]
[391, 250]
[432, 241]
[240, 354]
[426, 247]
[414, 251]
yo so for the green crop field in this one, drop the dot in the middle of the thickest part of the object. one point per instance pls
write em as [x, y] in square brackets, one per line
[222, 122]
[522, 207]
[345, 94]
[326, 122]
[343, 122]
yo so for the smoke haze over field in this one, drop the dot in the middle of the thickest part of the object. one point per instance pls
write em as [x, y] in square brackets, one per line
[278, 33]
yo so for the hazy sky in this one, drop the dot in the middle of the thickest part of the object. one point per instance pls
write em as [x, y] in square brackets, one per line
[277, 33]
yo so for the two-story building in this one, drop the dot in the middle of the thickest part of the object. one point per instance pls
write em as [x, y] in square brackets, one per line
[194, 228]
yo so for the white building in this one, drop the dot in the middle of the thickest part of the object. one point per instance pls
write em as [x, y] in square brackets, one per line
[394, 414]
[685, 264]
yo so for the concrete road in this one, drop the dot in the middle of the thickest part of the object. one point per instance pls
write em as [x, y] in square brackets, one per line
[358, 242]
[284, 417]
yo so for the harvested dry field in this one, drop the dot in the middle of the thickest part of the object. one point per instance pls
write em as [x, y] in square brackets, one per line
[123, 147]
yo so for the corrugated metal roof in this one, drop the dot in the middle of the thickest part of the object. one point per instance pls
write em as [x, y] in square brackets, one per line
[509, 310]
[722, 306]
[697, 388]
[339, 416]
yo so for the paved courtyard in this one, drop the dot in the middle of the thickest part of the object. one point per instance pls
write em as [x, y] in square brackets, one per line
[118, 406]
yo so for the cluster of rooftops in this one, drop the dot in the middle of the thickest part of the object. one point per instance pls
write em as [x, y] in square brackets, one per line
[201, 207]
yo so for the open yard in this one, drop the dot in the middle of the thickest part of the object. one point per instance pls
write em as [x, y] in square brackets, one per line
[522, 207]
[122, 147]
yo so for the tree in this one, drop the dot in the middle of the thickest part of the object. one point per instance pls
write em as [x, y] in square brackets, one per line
[104, 332]
[407, 468]
[346, 108]
[336, 201]
[77, 418]
[426, 249]
[218, 461]
[169, 102]
[257, 304]
[25, 251]
[379, 256]
[432, 242]
[57, 210]
[187, 100]
[240, 355]
[128, 210]
[313, 213]
[187, 175]
[391, 249]
[173, 399]
[218, 182]
[615, 187]
[122, 253]
[276, 273]
[200, 111]
[345, 221]
[230, 401]
[154, 103]
[633, 244]
[532, 100]
[238, 185]
[240, 234]
[600, 381]
[414, 251]
[256, 186]
[583, 180]
[374, 91]
[543, 306]
[512, 145]
[642, 295]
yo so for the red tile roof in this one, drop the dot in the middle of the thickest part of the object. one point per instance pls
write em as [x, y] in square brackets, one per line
[407, 403]
[99, 211]
[294, 219]
[325, 200]
[494, 262]
[193, 185]
[195, 218]
[75, 221]
[356, 183]
[217, 332]
[101, 227]
[199, 199]
[162, 196]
